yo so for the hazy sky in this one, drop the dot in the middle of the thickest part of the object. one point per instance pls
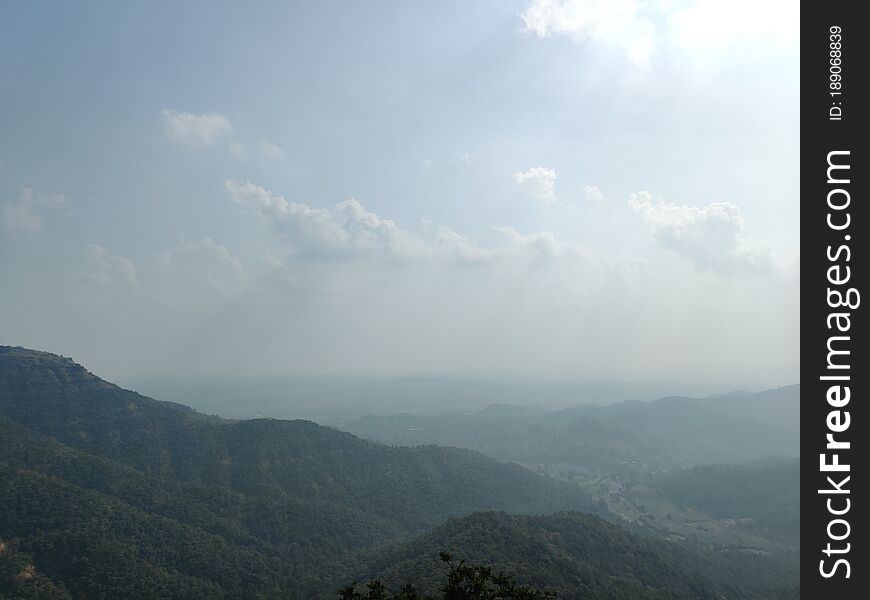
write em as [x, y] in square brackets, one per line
[544, 188]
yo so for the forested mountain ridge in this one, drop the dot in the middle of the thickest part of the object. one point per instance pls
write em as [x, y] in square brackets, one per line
[58, 398]
[581, 556]
[761, 497]
[78, 526]
[109, 494]
[777, 407]
[672, 432]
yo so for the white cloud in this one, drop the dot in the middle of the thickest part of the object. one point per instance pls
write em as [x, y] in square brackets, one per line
[183, 127]
[245, 193]
[213, 128]
[710, 237]
[612, 22]
[105, 268]
[466, 158]
[367, 230]
[542, 243]
[27, 212]
[446, 242]
[304, 224]
[540, 181]
[427, 163]
[350, 230]
[637, 27]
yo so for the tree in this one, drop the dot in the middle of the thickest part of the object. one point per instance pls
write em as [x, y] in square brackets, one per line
[464, 582]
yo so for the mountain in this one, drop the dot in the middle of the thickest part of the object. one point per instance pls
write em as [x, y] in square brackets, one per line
[760, 498]
[672, 432]
[778, 407]
[331, 400]
[583, 556]
[109, 494]
[56, 397]
[113, 493]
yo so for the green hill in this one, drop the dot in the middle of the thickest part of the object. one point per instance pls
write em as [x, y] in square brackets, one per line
[672, 432]
[109, 494]
[762, 498]
[583, 556]
[56, 397]
[107, 489]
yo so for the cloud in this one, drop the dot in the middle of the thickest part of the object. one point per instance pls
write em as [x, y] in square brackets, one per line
[307, 226]
[346, 229]
[637, 28]
[448, 243]
[27, 212]
[542, 243]
[366, 230]
[466, 158]
[612, 22]
[345, 289]
[214, 128]
[183, 127]
[349, 230]
[540, 181]
[107, 269]
[710, 237]
[450, 301]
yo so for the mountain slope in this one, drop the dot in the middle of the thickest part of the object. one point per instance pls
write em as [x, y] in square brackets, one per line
[113, 494]
[778, 407]
[762, 497]
[107, 493]
[583, 556]
[669, 433]
[56, 397]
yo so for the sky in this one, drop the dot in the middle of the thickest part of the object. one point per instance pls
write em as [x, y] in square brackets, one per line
[556, 189]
